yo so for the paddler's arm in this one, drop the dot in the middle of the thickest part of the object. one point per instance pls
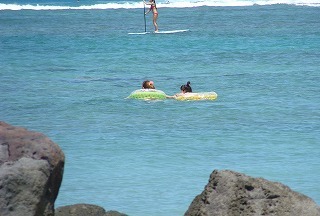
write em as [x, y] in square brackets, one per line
[148, 12]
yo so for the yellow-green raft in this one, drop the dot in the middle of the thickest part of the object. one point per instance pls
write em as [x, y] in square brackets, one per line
[148, 94]
[196, 96]
[153, 94]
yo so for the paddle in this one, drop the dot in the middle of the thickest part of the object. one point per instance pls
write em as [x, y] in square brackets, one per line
[144, 14]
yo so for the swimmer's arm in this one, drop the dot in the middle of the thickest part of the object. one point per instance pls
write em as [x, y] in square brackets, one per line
[171, 97]
[174, 96]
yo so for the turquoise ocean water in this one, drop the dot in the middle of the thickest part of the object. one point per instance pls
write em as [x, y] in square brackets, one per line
[66, 68]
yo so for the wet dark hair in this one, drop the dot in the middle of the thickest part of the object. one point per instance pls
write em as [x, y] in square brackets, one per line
[147, 84]
[186, 88]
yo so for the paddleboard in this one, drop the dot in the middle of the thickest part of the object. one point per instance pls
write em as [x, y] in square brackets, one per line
[159, 32]
[138, 33]
[172, 31]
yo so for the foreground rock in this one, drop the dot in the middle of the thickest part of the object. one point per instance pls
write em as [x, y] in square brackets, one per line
[85, 210]
[31, 169]
[229, 193]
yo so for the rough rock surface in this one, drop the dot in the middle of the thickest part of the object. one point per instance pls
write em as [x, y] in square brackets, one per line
[31, 169]
[85, 210]
[230, 193]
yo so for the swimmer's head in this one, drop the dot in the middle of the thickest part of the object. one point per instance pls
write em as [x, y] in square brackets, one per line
[148, 84]
[186, 88]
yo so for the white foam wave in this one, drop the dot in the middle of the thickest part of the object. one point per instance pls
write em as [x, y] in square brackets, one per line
[81, 7]
[167, 4]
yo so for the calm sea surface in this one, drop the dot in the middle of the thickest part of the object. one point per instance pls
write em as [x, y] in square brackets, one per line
[66, 71]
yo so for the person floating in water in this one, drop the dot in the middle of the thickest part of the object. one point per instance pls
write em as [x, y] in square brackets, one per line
[184, 89]
[153, 8]
[148, 84]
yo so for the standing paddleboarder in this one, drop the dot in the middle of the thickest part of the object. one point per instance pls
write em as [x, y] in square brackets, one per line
[153, 8]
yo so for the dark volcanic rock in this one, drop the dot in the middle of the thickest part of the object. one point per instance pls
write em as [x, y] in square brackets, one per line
[229, 193]
[85, 210]
[31, 169]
